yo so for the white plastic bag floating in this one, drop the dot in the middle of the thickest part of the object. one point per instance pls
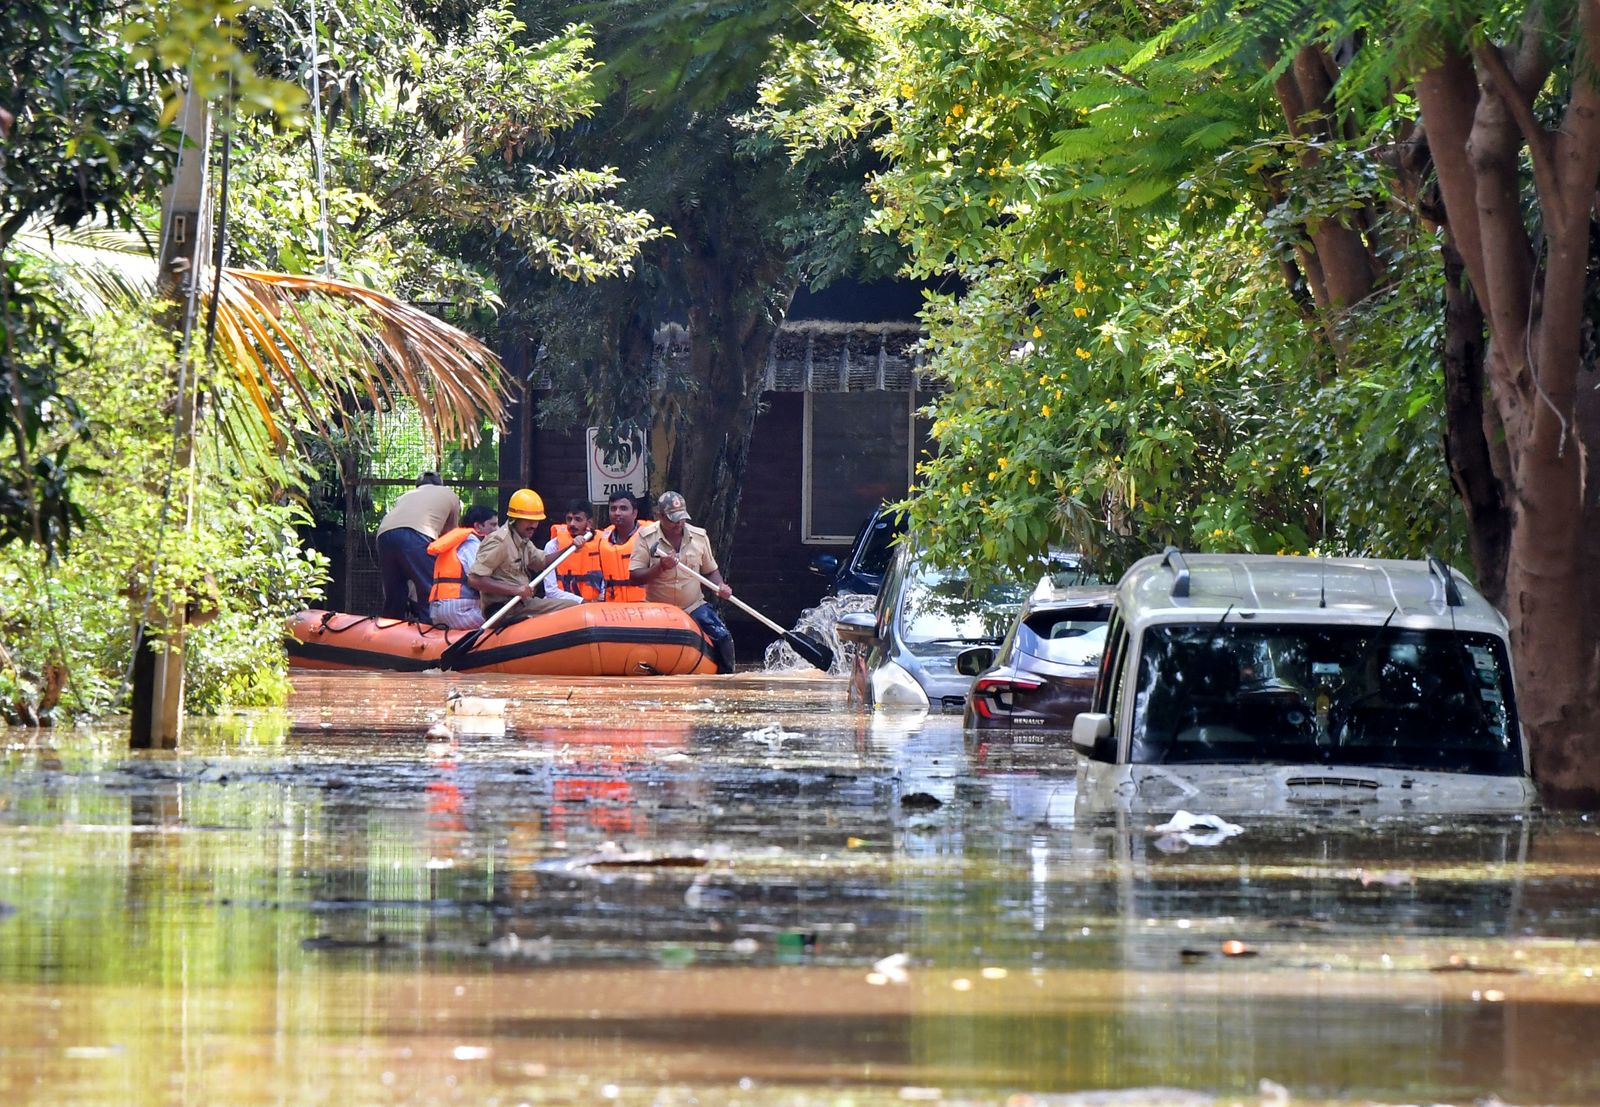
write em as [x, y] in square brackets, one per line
[1185, 829]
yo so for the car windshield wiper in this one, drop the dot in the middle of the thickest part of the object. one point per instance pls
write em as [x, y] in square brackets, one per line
[970, 640]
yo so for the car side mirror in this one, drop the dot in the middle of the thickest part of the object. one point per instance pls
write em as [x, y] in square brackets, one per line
[973, 661]
[1088, 729]
[859, 628]
[824, 565]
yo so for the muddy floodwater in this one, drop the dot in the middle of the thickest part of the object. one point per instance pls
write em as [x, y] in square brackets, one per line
[738, 890]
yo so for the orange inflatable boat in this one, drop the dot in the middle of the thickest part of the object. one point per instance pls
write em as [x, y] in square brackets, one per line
[592, 639]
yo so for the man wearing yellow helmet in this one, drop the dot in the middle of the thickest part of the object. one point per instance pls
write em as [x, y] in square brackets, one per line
[509, 558]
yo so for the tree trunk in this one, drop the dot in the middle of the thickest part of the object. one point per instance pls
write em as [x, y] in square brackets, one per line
[736, 281]
[1340, 266]
[1470, 428]
[1479, 118]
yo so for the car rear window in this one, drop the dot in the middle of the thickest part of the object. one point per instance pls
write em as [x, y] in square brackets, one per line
[1069, 635]
[941, 606]
[1389, 697]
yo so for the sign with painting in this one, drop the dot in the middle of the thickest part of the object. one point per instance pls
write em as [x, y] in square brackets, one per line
[610, 473]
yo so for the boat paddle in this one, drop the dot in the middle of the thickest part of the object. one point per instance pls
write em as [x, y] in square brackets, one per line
[457, 650]
[807, 647]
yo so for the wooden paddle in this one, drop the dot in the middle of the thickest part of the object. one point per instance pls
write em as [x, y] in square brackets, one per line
[809, 648]
[455, 651]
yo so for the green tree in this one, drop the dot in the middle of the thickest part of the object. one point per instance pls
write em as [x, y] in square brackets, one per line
[66, 622]
[1368, 137]
[86, 95]
[678, 347]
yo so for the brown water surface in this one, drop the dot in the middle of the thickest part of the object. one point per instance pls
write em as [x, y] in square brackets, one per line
[737, 890]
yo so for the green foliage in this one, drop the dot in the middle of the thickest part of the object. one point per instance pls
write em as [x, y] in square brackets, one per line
[78, 611]
[747, 223]
[89, 87]
[1115, 407]
[87, 138]
[434, 153]
[1127, 365]
[40, 426]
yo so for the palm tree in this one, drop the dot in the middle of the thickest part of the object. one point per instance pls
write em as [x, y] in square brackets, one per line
[301, 351]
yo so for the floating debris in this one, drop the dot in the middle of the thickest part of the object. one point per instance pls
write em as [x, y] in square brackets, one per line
[1458, 963]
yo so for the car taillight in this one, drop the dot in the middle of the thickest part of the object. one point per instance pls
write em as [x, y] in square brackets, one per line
[996, 696]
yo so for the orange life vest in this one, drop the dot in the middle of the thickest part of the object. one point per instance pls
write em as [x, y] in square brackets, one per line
[448, 577]
[579, 574]
[614, 558]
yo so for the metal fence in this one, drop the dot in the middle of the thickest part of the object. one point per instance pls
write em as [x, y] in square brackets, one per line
[366, 474]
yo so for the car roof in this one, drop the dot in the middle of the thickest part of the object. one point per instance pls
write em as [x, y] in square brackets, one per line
[1177, 587]
[1048, 595]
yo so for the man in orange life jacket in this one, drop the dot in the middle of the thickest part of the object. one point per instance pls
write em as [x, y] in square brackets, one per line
[616, 550]
[453, 602]
[579, 575]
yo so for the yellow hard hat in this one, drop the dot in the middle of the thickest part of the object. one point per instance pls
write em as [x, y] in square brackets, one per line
[525, 504]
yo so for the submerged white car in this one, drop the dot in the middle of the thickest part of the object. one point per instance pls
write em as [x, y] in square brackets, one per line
[1277, 683]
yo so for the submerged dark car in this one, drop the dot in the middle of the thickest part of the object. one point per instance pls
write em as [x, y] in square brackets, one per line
[1043, 672]
[863, 567]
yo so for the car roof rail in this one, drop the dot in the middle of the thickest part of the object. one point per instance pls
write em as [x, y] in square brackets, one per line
[1172, 558]
[1452, 594]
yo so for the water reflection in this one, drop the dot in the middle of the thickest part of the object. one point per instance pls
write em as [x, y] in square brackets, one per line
[680, 889]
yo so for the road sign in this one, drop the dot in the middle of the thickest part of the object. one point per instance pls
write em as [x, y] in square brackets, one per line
[618, 473]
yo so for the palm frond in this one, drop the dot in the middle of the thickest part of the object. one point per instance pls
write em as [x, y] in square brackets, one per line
[303, 350]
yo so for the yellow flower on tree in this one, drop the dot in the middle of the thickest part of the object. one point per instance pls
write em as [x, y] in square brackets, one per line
[1081, 352]
[1080, 312]
[1305, 470]
[1002, 463]
[1078, 282]
[1037, 333]
[1044, 410]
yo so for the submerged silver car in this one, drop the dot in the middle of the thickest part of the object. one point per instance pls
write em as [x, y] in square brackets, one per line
[925, 618]
[1281, 683]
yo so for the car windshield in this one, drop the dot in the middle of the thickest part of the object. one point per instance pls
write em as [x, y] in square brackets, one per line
[877, 545]
[1067, 635]
[940, 605]
[1376, 696]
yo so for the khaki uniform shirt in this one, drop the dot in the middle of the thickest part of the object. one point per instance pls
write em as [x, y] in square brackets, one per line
[508, 559]
[673, 586]
[426, 509]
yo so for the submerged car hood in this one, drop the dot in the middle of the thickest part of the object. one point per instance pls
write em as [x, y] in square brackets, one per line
[1308, 788]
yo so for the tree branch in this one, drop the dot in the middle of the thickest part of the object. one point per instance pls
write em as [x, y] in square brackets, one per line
[1520, 104]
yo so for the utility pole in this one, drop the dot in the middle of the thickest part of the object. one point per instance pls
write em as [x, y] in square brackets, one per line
[157, 693]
